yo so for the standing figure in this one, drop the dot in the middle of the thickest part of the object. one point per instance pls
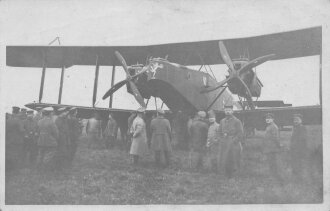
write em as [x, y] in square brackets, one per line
[198, 138]
[31, 132]
[62, 125]
[213, 142]
[298, 148]
[129, 131]
[161, 138]
[139, 146]
[272, 146]
[14, 139]
[230, 147]
[74, 133]
[109, 133]
[47, 142]
[94, 132]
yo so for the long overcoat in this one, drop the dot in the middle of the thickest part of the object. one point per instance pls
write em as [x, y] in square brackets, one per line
[231, 130]
[139, 141]
[161, 134]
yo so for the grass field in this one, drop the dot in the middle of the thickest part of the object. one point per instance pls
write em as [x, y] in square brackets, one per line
[106, 177]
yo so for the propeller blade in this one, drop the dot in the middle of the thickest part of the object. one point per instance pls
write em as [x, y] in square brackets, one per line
[220, 84]
[256, 62]
[137, 94]
[225, 56]
[144, 69]
[114, 88]
[123, 62]
[248, 94]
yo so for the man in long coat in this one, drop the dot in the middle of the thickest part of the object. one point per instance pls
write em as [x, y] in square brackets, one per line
[198, 138]
[230, 147]
[47, 142]
[62, 125]
[272, 146]
[74, 133]
[31, 132]
[161, 137]
[298, 147]
[110, 132]
[139, 146]
[213, 142]
[94, 132]
[129, 134]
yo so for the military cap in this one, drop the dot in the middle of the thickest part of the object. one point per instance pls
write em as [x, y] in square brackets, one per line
[298, 115]
[201, 114]
[211, 114]
[160, 111]
[269, 115]
[141, 110]
[23, 109]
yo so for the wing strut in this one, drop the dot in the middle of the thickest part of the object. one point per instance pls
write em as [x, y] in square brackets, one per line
[61, 86]
[215, 99]
[41, 91]
[112, 83]
[97, 68]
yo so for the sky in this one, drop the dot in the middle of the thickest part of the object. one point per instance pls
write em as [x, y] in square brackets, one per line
[148, 22]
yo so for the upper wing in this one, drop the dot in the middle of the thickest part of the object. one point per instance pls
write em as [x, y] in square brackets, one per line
[298, 43]
[312, 115]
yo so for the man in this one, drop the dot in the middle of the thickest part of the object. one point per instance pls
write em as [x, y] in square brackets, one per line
[161, 138]
[62, 125]
[230, 147]
[31, 132]
[139, 145]
[94, 132]
[47, 142]
[74, 133]
[213, 142]
[14, 139]
[272, 146]
[129, 134]
[298, 147]
[198, 138]
[110, 132]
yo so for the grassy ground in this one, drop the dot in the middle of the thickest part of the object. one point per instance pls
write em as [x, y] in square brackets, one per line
[106, 177]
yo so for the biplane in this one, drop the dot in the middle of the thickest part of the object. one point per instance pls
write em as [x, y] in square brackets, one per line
[163, 71]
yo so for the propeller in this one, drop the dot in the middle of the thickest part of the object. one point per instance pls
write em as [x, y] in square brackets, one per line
[236, 73]
[129, 81]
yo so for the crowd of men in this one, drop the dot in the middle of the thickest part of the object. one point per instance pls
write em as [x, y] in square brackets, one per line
[31, 137]
[35, 139]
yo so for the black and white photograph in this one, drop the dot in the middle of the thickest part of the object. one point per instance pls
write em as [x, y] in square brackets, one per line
[164, 104]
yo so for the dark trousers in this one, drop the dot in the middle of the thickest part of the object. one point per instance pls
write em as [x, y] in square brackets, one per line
[109, 142]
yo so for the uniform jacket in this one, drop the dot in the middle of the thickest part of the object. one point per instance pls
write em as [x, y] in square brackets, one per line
[198, 131]
[272, 142]
[63, 129]
[139, 140]
[30, 128]
[232, 128]
[161, 134]
[48, 132]
[213, 132]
